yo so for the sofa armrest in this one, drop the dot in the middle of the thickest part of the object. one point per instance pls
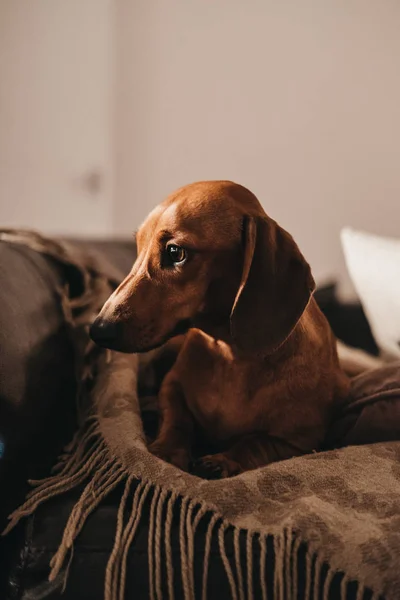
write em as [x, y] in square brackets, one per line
[37, 368]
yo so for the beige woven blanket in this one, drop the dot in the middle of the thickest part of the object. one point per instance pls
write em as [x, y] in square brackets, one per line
[345, 504]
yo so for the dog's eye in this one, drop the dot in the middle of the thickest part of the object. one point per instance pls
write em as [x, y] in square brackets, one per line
[176, 254]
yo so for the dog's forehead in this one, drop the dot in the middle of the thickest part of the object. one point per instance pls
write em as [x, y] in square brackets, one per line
[204, 219]
[213, 193]
[208, 203]
[202, 208]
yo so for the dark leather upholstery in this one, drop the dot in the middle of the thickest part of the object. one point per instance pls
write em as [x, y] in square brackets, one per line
[37, 378]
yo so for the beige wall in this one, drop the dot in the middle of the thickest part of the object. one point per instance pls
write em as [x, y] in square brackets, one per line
[300, 101]
[56, 119]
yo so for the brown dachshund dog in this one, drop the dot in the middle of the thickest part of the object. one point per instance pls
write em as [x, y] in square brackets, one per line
[257, 374]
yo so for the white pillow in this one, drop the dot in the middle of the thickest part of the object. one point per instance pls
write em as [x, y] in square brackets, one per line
[373, 263]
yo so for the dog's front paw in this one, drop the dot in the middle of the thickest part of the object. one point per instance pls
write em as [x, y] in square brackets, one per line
[216, 466]
[179, 457]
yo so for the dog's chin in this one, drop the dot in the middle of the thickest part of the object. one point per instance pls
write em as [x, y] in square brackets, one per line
[140, 346]
[180, 328]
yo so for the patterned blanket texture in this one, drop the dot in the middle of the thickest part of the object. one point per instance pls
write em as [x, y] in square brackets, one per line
[341, 504]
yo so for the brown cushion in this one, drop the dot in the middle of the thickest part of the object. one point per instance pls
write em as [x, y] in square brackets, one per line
[36, 358]
[37, 371]
[109, 254]
[372, 413]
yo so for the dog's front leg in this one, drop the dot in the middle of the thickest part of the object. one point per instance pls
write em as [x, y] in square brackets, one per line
[174, 440]
[249, 452]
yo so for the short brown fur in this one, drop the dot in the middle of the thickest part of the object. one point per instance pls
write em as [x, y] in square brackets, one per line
[257, 374]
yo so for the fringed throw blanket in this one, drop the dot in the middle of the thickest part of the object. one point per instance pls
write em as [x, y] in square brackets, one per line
[344, 504]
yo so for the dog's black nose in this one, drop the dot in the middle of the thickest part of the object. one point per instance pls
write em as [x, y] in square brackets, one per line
[103, 332]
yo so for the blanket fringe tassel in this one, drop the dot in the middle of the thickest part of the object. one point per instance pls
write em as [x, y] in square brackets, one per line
[87, 459]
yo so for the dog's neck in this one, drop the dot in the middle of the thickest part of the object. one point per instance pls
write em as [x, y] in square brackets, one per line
[218, 327]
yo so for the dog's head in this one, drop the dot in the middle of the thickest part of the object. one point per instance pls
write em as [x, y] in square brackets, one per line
[208, 256]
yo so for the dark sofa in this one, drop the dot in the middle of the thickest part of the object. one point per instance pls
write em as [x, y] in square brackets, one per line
[38, 384]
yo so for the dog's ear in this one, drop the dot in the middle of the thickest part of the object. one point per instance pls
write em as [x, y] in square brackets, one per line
[275, 288]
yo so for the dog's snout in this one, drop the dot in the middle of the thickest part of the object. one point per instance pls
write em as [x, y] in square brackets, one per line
[103, 332]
